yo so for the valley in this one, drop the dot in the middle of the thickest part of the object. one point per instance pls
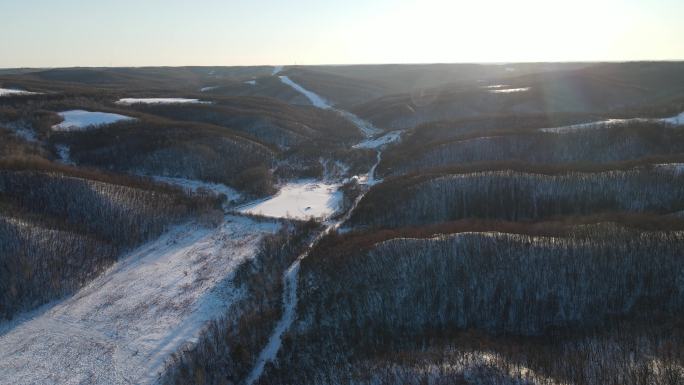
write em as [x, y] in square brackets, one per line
[343, 224]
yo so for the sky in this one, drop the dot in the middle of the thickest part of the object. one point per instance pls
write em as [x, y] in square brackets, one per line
[51, 33]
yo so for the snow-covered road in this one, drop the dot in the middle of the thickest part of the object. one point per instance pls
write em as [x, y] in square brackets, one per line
[123, 327]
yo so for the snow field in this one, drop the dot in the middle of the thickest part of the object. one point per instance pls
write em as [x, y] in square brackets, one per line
[124, 326]
[79, 120]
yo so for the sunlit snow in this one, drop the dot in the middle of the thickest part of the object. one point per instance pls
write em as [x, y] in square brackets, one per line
[9, 92]
[124, 326]
[675, 120]
[316, 100]
[390, 137]
[79, 120]
[299, 200]
[365, 126]
[509, 90]
[251, 82]
[129, 101]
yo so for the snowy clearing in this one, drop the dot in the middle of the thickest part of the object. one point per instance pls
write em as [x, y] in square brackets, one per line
[676, 168]
[79, 120]
[129, 101]
[194, 185]
[299, 200]
[276, 70]
[509, 90]
[10, 92]
[388, 138]
[674, 120]
[270, 351]
[123, 327]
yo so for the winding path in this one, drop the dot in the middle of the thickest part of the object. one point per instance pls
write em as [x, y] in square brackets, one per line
[270, 351]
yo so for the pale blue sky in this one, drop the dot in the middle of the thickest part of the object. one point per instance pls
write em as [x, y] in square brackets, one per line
[57, 33]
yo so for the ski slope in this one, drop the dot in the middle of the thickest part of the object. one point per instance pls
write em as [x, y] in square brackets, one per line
[123, 327]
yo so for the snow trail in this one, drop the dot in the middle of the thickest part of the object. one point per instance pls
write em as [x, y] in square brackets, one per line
[290, 276]
[317, 101]
[123, 327]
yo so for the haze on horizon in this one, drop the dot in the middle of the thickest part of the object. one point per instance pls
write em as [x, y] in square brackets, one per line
[42, 33]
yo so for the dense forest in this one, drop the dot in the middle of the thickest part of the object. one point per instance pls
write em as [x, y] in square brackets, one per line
[415, 295]
[602, 145]
[523, 224]
[62, 226]
[518, 196]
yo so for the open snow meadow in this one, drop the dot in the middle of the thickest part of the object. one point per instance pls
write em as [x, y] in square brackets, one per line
[124, 326]
[76, 120]
[299, 200]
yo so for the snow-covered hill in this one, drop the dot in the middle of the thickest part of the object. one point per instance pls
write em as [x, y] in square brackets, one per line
[122, 328]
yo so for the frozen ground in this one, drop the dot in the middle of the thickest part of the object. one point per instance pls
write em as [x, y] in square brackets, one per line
[79, 120]
[129, 101]
[675, 120]
[9, 92]
[299, 200]
[509, 90]
[123, 326]
[388, 138]
[314, 98]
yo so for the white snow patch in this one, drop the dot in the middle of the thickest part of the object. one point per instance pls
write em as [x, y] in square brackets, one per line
[276, 70]
[388, 138]
[270, 351]
[674, 120]
[123, 327]
[129, 101]
[10, 91]
[495, 86]
[299, 200]
[509, 90]
[205, 89]
[316, 100]
[251, 82]
[366, 127]
[79, 120]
